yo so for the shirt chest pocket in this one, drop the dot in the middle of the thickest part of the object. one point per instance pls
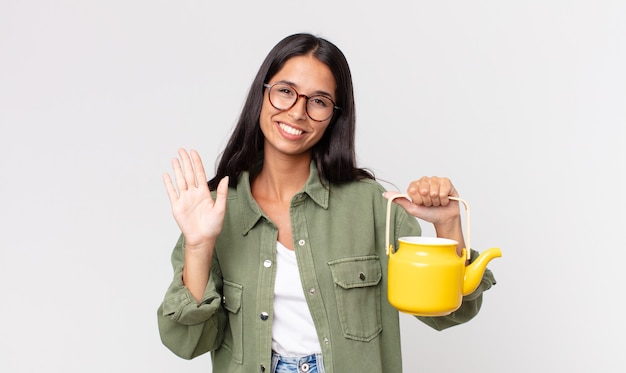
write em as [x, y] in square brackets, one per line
[357, 291]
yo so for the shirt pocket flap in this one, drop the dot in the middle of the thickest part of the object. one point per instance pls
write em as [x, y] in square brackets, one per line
[356, 272]
[232, 296]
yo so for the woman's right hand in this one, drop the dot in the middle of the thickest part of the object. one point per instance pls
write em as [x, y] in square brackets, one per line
[198, 216]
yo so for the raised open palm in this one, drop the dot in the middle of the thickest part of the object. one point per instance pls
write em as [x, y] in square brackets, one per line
[198, 216]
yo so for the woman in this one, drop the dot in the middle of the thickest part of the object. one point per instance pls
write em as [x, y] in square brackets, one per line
[282, 266]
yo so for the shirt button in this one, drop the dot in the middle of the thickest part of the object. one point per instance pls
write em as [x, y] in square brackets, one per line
[262, 369]
[312, 291]
[267, 263]
[264, 316]
[326, 340]
[362, 276]
[301, 242]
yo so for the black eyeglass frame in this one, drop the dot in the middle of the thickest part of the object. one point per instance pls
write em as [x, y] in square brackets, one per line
[298, 95]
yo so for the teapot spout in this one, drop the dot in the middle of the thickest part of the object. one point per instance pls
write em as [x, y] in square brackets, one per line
[474, 272]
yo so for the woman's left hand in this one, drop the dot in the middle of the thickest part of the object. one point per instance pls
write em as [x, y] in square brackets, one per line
[430, 202]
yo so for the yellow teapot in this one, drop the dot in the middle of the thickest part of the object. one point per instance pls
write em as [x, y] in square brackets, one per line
[426, 276]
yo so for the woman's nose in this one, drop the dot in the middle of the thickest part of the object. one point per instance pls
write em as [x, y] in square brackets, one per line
[298, 110]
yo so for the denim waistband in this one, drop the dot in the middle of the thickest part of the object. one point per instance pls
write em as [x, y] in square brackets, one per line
[297, 364]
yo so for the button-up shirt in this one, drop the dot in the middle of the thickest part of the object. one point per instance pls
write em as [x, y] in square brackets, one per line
[339, 239]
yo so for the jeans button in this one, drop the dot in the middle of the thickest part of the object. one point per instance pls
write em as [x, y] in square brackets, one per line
[304, 367]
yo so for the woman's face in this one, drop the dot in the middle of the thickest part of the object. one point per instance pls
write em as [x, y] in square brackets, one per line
[291, 131]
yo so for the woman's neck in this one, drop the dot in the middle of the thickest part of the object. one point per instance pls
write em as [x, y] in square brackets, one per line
[281, 178]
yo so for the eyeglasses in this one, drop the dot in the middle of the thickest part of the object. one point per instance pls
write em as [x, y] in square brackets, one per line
[318, 107]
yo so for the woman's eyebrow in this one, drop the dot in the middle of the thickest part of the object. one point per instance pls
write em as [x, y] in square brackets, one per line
[316, 93]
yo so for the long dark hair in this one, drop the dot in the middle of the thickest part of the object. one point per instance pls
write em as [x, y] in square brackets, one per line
[334, 154]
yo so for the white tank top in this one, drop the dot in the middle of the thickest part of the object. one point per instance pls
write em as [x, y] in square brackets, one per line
[293, 331]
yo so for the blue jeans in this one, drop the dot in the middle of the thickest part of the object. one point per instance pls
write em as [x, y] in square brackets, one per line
[297, 364]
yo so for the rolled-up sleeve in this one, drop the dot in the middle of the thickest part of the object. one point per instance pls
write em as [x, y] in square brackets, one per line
[186, 327]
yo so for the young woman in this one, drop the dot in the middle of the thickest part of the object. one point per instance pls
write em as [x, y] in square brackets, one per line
[281, 264]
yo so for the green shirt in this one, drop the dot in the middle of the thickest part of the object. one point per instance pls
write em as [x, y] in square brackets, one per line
[339, 239]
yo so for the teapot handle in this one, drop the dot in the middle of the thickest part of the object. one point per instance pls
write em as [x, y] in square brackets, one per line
[389, 247]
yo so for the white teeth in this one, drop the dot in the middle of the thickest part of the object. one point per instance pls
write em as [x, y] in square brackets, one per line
[290, 130]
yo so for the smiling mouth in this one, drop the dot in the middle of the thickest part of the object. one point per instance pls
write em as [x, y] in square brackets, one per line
[290, 130]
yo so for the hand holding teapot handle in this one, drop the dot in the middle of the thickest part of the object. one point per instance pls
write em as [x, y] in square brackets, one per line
[430, 201]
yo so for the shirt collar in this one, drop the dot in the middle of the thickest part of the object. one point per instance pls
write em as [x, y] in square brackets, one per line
[250, 211]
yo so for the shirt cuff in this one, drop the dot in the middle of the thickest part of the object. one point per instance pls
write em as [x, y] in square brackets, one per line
[181, 306]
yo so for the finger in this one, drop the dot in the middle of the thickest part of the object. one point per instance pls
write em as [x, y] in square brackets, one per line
[445, 190]
[405, 203]
[188, 171]
[200, 175]
[221, 194]
[434, 191]
[390, 194]
[420, 192]
[181, 184]
[426, 192]
[169, 188]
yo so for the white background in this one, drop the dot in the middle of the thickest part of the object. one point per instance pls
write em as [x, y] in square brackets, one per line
[521, 103]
